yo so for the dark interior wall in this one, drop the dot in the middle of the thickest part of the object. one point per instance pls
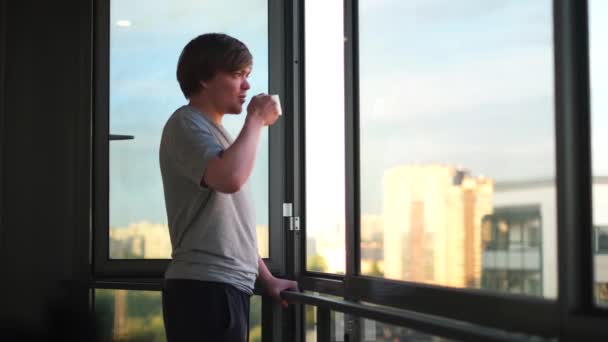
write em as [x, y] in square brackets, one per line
[45, 140]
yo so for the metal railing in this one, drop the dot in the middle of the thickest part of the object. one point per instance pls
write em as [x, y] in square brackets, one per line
[429, 324]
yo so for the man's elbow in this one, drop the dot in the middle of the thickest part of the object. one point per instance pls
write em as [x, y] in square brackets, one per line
[230, 184]
[222, 179]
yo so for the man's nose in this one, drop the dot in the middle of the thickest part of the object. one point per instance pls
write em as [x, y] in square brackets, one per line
[245, 85]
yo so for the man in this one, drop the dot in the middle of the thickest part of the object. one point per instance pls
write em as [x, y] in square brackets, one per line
[215, 262]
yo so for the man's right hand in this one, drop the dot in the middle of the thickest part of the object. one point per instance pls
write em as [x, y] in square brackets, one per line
[263, 107]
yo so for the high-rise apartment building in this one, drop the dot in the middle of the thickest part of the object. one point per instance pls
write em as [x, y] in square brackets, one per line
[520, 238]
[432, 224]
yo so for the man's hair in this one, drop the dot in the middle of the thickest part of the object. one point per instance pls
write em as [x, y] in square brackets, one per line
[207, 54]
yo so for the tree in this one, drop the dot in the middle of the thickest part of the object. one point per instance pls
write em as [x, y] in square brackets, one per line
[375, 271]
[316, 263]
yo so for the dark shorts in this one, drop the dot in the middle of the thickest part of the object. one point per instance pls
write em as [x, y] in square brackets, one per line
[201, 311]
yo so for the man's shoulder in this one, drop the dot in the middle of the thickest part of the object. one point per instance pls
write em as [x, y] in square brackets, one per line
[187, 118]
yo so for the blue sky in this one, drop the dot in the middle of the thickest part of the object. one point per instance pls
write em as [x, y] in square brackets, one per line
[457, 82]
[465, 83]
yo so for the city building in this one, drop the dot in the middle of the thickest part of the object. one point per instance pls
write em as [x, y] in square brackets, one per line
[140, 240]
[432, 224]
[151, 241]
[262, 237]
[520, 238]
[372, 245]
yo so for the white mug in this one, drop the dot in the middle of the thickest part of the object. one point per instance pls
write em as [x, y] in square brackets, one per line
[276, 99]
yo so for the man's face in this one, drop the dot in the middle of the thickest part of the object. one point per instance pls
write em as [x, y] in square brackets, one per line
[228, 90]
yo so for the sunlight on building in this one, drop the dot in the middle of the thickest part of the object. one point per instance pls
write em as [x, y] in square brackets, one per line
[432, 224]
[140, 240]
[262, 235]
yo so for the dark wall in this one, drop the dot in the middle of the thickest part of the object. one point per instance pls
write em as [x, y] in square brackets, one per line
[45, 139]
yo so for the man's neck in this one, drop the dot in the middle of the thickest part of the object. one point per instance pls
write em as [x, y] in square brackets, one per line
[208, 110]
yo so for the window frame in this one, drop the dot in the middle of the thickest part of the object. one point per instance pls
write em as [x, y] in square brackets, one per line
[573, 312]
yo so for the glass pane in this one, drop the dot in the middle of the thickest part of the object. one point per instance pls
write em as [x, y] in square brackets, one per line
[255, 319]
[311, 324]
[144, 49]
[383, 332]
[599, 127]
[457, 144]
[370, 330]
[129, 316]
[325, 206]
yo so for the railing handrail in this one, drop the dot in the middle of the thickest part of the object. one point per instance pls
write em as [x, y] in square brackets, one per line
[425, 323]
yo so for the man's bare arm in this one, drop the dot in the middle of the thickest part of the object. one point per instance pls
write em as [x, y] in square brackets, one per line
[273, 285]
[229, 172]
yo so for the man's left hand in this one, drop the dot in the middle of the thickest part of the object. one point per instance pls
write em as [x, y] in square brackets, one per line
[275, 285]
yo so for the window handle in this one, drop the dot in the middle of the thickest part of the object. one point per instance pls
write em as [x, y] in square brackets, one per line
[121, 137]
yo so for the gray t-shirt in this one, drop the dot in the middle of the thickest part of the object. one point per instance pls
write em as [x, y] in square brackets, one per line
[212, 234]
